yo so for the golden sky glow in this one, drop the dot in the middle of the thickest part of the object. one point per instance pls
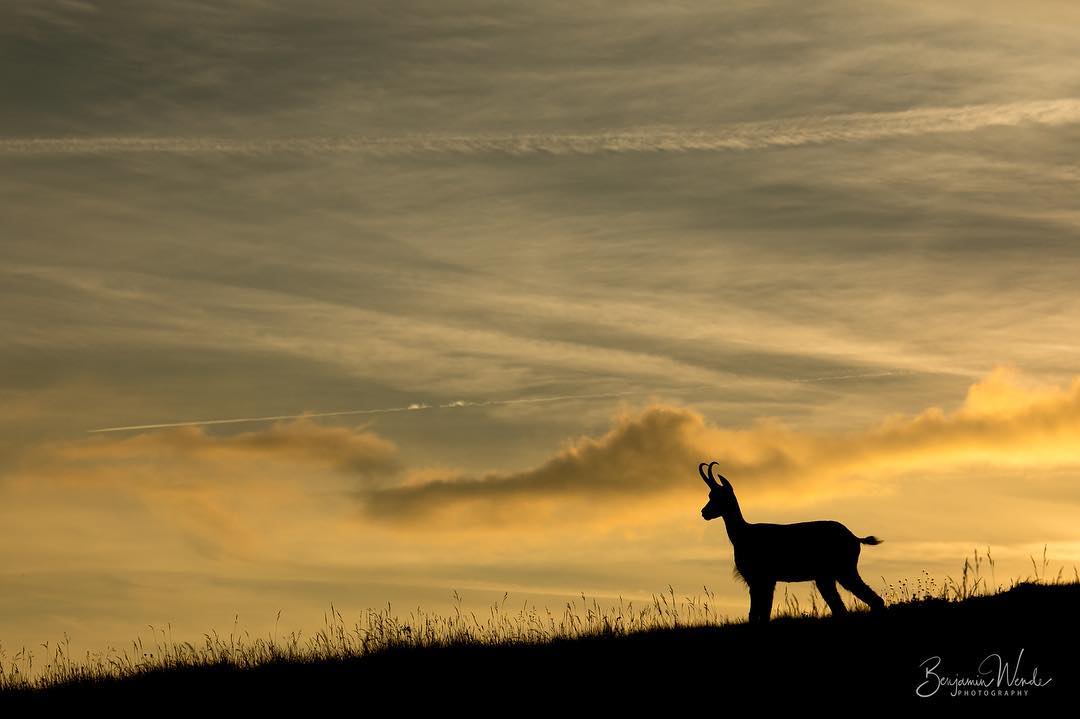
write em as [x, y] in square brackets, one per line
[832, 245]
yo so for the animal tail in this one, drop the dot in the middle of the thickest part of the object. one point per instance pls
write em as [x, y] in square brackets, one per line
[871, 540]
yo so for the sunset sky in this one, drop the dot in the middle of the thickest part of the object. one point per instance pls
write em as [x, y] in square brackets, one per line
[833, 245]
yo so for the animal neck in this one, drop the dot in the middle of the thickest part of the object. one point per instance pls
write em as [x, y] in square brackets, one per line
[734, 522]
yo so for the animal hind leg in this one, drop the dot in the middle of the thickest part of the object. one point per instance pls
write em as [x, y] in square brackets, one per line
[827, 587]
[854, 584]
[761, 596]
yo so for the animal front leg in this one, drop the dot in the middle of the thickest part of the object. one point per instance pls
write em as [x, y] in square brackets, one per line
[761, 596]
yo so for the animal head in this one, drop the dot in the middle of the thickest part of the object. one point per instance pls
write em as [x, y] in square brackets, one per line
[721, 494]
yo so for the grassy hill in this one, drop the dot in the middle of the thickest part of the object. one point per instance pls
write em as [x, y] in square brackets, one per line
[873, 660]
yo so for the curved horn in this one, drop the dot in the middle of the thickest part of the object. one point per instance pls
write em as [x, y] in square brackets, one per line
[710, 480]
[706, 476]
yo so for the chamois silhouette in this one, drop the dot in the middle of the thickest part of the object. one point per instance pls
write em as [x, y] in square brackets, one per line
[822, 552]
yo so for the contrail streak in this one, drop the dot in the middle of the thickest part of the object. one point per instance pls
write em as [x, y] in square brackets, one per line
[416, 406]
[456, 404]
[792, 132]
[867, 375]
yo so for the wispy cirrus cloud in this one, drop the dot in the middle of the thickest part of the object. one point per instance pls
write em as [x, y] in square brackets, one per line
[793, 132]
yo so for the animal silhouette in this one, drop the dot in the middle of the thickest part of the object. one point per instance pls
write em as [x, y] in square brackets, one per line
[822, 552]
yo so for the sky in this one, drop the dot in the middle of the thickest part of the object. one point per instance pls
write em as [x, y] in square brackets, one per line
[544, 258]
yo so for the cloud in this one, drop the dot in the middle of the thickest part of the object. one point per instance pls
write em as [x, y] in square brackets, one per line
[653, 453]
[647, 460]
[354, 451]
[793, 132]
[254, 68]
[237, 495]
